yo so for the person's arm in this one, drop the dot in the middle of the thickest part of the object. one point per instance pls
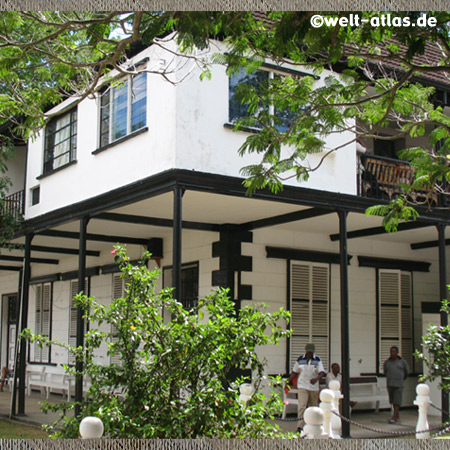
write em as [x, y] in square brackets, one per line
[320, 375]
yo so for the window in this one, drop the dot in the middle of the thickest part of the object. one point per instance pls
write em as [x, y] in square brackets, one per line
[189, 283]
[258, 79]
[309, 292]
[123, 109]
[60, 146]
[35, 195]
[43, 320]
[388, 149]
[395, 314]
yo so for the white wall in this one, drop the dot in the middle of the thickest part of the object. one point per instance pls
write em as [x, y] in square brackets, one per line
[16, 169]
[185, 130]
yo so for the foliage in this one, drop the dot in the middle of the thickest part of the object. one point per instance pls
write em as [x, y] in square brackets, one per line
[171, 381]
[47, 56]
[393, 213]
[437, 344]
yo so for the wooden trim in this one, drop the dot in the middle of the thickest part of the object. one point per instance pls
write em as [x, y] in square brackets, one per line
[398, 264]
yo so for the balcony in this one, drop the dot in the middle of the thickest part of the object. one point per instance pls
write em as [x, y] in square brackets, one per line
[384, 178]
[13, 207]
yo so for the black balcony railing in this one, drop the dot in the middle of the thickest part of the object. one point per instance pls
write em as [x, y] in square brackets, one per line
[13, 206]
[384, 178]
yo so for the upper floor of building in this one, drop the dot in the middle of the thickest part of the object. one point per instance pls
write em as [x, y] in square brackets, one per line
[166, 117]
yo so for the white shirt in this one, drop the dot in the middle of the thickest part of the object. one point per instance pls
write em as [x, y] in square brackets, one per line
[308, 369]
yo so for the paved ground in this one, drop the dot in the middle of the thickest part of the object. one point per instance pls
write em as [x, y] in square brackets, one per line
[34, 416]
[377, 421]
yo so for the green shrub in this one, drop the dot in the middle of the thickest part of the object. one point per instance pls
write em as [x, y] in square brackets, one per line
[171, 381]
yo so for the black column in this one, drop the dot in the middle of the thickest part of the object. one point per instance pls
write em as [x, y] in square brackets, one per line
[80, 312]
[443, 294]
[177, 232]
[345, 338]
[16, 347]
[21, 359]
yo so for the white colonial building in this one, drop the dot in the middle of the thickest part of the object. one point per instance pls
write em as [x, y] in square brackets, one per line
[154, 164]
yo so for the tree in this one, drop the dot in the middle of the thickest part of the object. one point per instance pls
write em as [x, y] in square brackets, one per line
[437, 344]
[46, 56]
[170, 379]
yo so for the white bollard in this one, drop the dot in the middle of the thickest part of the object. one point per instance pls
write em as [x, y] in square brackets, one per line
[245, 392]
[91, 428]
[327, 405]
[336, 422]
[313, 418]
[422, 401]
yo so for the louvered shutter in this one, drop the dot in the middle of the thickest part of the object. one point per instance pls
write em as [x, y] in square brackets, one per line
[38, 321]
[43, 320]
[309, 309]
[395, 314]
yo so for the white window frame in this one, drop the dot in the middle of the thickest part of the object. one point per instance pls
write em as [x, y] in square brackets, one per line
[130, 94]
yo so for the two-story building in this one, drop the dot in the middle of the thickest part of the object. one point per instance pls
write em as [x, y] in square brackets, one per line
[153, 164]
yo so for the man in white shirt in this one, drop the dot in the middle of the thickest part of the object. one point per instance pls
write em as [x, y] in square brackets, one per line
[309, 369]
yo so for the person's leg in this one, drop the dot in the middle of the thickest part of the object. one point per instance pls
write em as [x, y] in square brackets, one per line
[396, 402]
[313, 398]
[303, 397]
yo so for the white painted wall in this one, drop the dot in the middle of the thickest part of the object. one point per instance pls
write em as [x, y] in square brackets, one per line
[185, 130]
[16, 169]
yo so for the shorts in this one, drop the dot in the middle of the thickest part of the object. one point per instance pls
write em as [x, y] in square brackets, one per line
[395, 395]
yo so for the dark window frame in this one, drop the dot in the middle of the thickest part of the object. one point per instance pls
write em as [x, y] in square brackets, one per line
[189, 293]
[49, 359]
[51, 134]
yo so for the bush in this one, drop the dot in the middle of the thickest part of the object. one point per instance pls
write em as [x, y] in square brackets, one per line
[171, 381]
[437, 343]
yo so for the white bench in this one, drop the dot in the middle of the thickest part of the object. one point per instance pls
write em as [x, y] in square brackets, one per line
[362, 389]
[58, 382]
[365, 389]
[35, 379]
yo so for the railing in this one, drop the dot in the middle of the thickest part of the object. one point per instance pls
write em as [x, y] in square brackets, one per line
[384, 178]
[13, 206]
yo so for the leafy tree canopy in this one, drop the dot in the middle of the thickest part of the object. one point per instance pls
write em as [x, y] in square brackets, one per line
[386, 76]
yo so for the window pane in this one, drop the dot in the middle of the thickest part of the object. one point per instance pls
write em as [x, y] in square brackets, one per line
[139, 102]
[60, 141]
[120, 111]
[238, 110]
[104, 118]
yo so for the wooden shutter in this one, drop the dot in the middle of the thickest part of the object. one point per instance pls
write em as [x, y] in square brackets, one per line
[395, 313]
[38, 321]
[309, 309]
[43, 320]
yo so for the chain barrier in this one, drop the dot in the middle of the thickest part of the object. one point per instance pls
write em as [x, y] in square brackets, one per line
[441, 428]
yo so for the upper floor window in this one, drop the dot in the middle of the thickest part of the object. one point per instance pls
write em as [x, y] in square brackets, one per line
[259, 80]
[123, 109]
[60, 141]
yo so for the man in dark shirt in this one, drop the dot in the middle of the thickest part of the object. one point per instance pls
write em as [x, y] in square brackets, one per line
[396, 370]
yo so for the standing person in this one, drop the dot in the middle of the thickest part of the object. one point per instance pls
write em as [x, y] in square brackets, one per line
[309, 369]
[396, 370]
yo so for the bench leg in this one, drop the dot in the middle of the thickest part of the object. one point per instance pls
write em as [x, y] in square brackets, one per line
[377, 406]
